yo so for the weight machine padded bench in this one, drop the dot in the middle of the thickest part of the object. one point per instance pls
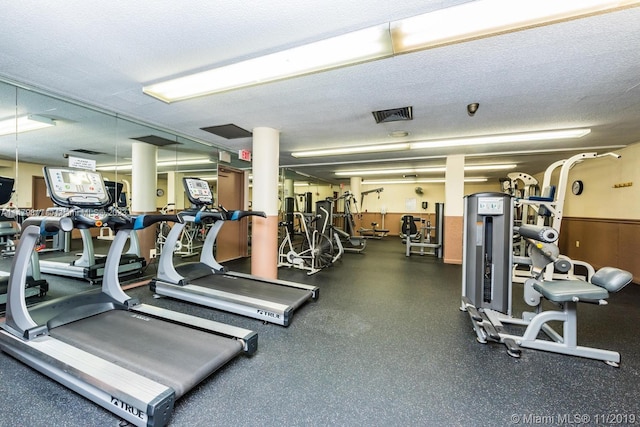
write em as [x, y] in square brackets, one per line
[488, 324]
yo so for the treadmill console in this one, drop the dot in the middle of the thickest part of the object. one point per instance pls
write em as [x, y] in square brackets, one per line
[6, 189]
[198, 191]
[76, 187]
[118, 198]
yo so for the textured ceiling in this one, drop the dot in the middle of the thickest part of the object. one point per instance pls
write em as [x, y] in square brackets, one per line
[581, 73]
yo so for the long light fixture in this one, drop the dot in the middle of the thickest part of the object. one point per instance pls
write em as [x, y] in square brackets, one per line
[434, 169]
[25, 124]
[352, 48]
[128, 167]
[352, 150]
[417, 181]
[296, 184]
[503, 138]
[478, 19]
[445, 26]
[453, 142]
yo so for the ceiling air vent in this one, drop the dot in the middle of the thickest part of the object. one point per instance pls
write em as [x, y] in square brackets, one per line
[229, 131]
[393, 115]
[156, 140]
[90, 152]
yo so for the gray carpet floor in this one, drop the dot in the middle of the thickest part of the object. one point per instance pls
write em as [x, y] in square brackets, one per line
[385, 345]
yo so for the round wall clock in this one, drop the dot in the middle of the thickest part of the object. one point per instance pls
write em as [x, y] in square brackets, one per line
[159, 192]
[577, 187]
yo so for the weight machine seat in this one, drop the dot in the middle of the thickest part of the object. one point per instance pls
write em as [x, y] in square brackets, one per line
[548, 195]
[409, 226]
[7, 228]
[379, 230]
[605, 280]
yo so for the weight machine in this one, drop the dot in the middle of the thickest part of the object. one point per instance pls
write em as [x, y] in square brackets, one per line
[348, 240]
[427, 236]
[487, 284]
[547, 209]
[374, 232]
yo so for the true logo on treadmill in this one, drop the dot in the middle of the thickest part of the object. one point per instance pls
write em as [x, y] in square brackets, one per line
[137, 316]
[138, 413]
[268, 314]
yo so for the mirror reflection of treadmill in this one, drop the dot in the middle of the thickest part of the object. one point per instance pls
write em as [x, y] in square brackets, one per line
[89, 265]
[35, 285]
[209, 284]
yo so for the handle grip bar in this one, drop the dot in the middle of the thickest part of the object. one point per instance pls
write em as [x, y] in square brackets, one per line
[143, 221]
[49, 224]
[237, 215]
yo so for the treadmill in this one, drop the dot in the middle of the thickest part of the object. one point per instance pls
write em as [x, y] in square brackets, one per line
[209, 284]
[130, 358]
[89, 265]
[34, 284]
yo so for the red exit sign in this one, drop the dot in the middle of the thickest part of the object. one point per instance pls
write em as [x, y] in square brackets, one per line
[244, 155]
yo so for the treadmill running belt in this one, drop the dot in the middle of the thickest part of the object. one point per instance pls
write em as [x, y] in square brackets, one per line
[292, 297]
[173, 355]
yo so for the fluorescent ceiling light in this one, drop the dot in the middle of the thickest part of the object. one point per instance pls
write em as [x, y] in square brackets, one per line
[359, 46]
[492, 154]
[445, 26]
[490, 167]
[169, 163]
[363, 172]
[503, 138]
[352, 150]
[477, 19]
[417, 181]
[24, 124]
[453, 142]
[297, 184]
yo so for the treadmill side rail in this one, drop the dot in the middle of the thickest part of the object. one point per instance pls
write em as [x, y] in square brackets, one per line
[264, 310]
[133, 397]
[249, 338]
[314, 289]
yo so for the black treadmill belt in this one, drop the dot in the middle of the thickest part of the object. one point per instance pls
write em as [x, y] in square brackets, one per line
[4, 283]
[286, 295]
[173, 355]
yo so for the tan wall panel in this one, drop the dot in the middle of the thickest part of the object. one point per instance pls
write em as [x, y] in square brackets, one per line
[602, 242]
[453, 228]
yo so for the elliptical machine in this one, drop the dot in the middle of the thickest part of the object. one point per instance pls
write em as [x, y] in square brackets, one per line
[314, 249]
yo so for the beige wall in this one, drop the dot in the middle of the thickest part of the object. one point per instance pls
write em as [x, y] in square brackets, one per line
[399, 198]
[600, 199]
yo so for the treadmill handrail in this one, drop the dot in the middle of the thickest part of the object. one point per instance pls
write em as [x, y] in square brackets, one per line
[138, 222]
[238, 214]
[49, 224]
[18, 321]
